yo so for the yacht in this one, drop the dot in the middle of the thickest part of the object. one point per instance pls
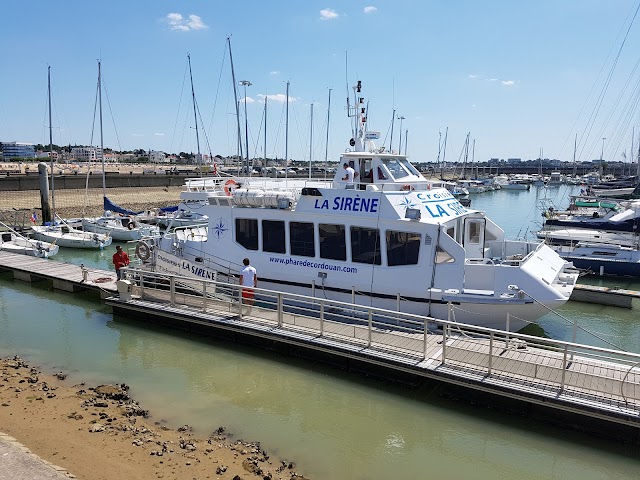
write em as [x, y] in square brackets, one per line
[393, 240]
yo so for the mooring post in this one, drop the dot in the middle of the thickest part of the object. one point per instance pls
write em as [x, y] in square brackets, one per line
[44, 192]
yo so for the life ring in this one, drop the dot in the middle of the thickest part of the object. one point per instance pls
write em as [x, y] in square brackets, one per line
[229, 186]
[407, 187]
[131, 225]
[143, 250]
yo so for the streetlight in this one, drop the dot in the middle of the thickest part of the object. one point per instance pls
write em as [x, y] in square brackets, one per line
[245, 84]
[401, 118]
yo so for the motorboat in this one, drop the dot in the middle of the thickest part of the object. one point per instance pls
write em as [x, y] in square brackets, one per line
[603, 259]
[69, 237]
[182, 218]
[573, 236]
[624, 187]
[514, 184]
[123, 228]
[392, 240]
[11, 241]
[621, 216]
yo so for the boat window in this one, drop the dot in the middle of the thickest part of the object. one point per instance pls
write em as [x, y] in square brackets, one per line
[409, 167]
[451, 231]
[273, 236]
[302, 239]
[395, 168]
[247, 233]
[402, 248]
[381, 174]
[442, 256]
[474, 232]
[365, 245]
[333, 245]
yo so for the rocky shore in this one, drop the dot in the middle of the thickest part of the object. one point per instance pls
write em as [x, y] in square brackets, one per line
[101, 433]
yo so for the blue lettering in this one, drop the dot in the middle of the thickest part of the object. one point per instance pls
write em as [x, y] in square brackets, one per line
[374, 205]
[430, 212]
[347, 203]
[442, 211]
[336, 203]
[366, 204]
[356, 204]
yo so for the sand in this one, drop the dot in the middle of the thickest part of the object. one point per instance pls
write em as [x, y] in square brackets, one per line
[100, 433]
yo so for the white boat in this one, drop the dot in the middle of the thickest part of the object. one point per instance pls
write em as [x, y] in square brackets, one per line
[604, 259]
[393, 241]
[11, 241]
[182, 218]
[69, 237]
[516, 185]
[63, 234]
[120, 228]
[573, 236]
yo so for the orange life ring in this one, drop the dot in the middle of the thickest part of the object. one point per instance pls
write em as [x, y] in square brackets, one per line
[407, 187]
[229, 185]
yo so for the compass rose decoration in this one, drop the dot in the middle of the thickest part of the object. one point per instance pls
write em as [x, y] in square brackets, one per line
[220, 229]
[407, 202]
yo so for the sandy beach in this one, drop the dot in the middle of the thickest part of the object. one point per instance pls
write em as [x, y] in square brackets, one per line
[101, 433]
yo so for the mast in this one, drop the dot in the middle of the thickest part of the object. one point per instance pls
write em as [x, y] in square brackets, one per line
[311, 141]
[265, 131]
[195, 116]
[393, 117]
[104, 182]
[575, 147]
[235, 96]
[53, 202]
[326, 145]
[286, 134]
[444, 153]
[406, 135]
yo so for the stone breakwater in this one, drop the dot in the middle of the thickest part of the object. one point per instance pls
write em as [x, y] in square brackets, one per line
[101, 433]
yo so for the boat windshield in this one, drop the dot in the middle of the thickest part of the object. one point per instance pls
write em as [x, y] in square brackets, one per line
[399, 167]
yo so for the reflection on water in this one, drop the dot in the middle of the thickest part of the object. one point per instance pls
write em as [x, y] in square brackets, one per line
[333, 424]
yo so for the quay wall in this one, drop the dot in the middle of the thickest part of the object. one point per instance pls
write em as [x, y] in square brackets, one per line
[64, 182]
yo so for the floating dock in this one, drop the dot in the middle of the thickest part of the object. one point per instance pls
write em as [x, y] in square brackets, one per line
[610, 296]
[580, 386]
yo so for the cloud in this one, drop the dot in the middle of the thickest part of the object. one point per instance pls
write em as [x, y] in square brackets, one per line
[247, 99]
[508, 83]
[473, 76]
[274, 72]
[328, 14]
[158, 134]
[278, 97]
[370, 9]
[492, 79]
[177, 22]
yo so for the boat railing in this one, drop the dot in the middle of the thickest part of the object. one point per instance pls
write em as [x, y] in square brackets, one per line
[612, 376]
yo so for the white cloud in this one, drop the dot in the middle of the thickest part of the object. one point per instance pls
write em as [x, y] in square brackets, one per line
[177, 22]
[158, 134]
[274, 72]
[278, 97]
[370, 9]
[492, 79]
[328, 14]
[247, 99]
[508, 83]
[473, 76]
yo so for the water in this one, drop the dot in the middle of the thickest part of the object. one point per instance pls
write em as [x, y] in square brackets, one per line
[335, 425]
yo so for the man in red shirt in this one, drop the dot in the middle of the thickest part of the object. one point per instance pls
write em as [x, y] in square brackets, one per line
[120, 259]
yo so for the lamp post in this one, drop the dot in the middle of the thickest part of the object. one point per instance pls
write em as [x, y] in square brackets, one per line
[245, 84]
[401, 118]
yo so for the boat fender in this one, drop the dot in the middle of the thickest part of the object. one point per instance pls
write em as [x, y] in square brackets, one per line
[131, 225]
[143, 250]
[229, 186]
[407, 187]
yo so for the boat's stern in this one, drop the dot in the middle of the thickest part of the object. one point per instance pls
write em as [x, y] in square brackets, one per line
[557, 275]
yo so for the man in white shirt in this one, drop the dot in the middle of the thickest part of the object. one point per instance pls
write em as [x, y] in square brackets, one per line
[349, 176]
[248, 280]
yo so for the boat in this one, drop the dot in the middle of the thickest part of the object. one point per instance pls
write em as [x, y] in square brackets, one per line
[121, 226]
[181, 218]
[601, 215]
[392, 241]
[514, 184]
[57, 231]
[604, 259]
[624, 187]
[13, 242]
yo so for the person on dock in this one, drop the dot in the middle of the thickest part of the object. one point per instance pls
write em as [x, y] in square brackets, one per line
[248, 281]
[120, 259]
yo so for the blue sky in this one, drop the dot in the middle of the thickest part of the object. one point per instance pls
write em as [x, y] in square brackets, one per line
[520, 76]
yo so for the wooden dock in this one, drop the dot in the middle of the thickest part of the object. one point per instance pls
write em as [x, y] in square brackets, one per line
[610, 296]
[64, 276]
[595, 388]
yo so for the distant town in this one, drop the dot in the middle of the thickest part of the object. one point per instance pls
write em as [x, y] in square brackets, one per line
[25, 153]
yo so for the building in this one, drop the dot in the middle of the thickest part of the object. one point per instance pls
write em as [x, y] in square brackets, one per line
[11, 150]
[86, 154]
[158, 157]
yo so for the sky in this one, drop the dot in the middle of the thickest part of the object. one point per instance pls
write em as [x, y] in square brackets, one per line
[518, 77]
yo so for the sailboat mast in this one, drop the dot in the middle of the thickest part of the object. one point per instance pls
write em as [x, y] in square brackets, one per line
[265, 132]
[53, 203]
[286, 134]
[235, 96]
[195, 116]
[326, 145]
[393, 117]
[575, 148]
[406, 136]
[310, 140]
[104, 183]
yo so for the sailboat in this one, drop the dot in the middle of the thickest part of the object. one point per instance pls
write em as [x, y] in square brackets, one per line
[117, 222]
[61, 233]
[13, 242]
